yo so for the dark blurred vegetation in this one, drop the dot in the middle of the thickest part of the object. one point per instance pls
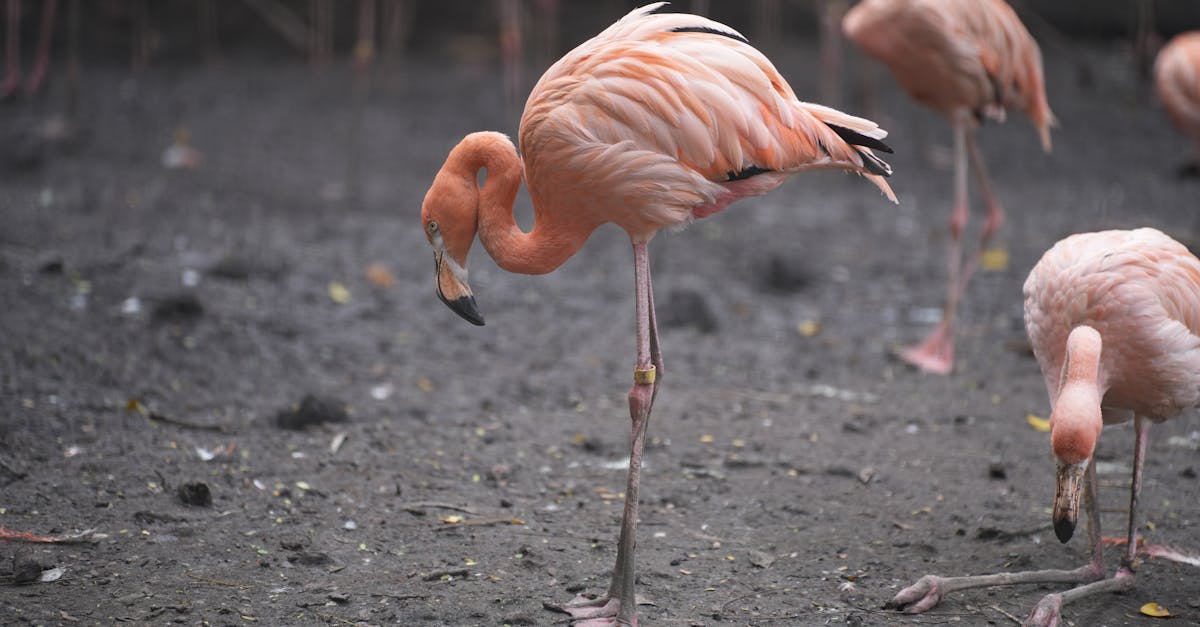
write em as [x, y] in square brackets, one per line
[188, 32]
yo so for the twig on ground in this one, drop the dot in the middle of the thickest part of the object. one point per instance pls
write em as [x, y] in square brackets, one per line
[418, 507]
[485, 522]
[82, 536]
[157, 417]
[1006, 614]
[451, 572]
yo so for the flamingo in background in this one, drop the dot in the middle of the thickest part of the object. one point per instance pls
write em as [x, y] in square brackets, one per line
[12, 52]
[1114, 320]
[966, 59]
[655, 122]
[1177, 81]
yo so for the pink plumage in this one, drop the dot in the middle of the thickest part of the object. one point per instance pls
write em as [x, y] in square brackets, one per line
[1177, 83]
[657, 121]
[1114, 320]
[1140, 290]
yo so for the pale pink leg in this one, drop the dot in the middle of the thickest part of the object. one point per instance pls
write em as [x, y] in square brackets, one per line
[929, 590]
[619, 605]
[41, 59]
[995, 211]
[12, 49]
[936, 353]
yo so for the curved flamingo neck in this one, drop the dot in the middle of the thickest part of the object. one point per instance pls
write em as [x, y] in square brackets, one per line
[1077, 419]
[552, 240]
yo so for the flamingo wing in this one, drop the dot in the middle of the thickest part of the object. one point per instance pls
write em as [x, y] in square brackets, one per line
[664, 110]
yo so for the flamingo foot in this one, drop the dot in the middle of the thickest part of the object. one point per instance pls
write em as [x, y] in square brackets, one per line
[592, 611]
[1047, 613]
[920, 596]
[936, 353]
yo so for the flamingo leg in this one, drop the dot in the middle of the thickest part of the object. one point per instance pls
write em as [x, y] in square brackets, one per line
[928, 591]
[41, 59]
[12, 49]
[936, 353]
[1048, 611]
[995, 211]
[619, 605]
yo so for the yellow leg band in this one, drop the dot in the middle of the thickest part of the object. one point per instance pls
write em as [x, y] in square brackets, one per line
[644, 377]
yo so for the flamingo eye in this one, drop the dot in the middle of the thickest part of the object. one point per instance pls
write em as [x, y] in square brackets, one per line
[432, 226]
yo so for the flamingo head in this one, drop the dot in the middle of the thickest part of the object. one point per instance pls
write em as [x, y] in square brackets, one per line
[1075, 424]
[449, 216]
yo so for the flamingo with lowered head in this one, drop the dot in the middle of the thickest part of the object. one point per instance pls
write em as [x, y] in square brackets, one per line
[1114, 321]
[657, 121]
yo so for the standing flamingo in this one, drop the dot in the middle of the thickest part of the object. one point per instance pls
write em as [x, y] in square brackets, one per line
[1177, 81]
[966, 59]
[1114, 320]
[657, 121]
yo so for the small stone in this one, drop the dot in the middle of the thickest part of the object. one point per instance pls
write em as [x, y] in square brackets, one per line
[196, 493]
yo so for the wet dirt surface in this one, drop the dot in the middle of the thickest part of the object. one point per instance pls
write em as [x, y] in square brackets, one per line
[367, 457]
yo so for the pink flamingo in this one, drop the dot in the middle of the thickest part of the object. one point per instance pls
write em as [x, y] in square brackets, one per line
[966, 59]
[655, 122]
[1114, 320]
[1177, 81]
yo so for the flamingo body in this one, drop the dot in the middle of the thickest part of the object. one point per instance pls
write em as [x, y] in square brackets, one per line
[966, 59]
[1114, 321]
[655, 122]
[1177, 83]
[956, 54]
[1140, 291]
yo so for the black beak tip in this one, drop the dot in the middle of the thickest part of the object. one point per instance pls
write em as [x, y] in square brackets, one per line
[465, 307]
[1064, 529]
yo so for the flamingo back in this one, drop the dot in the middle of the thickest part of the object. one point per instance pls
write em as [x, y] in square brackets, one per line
[954, 54]
[1140, 290]
[1177, 82]
[663, 118]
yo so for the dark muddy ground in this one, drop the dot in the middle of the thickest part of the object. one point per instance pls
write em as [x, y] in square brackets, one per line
[791, 478]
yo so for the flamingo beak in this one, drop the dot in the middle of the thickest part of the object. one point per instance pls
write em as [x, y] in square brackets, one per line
[453, 289]
[1068, 490]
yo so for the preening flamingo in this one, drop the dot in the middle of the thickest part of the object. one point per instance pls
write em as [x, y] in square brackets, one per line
[1114, 320]
[1177, 82]
[966, 59]
[656, 121]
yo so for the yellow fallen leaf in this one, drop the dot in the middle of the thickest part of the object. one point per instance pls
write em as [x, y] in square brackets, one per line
[380, 275]
[808, 328]
[1039, 423]
[707, 439]
[339, 292]
[425, 384]
[994, 259]
[1156, 610]
[738, 443]
[469, 562]
[452, 519]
